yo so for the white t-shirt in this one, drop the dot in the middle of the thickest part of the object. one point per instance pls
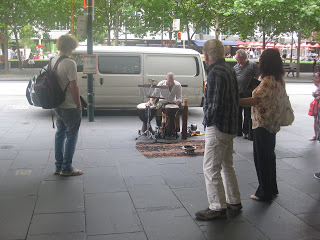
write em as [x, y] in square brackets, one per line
[67, 72]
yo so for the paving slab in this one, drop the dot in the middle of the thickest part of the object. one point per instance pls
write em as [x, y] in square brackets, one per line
[296, 201]
[150, 191]
[57, 223]
[6, 153]
[276, 222]
[139, 167]
[21, 182]
[169, 223]
[126, 236]
[95, 158]
[16, 214]
[39, 143]
[103, 180]
[60, 196]
[59, 236]
[111, 213]
[302, 181]
[180, 176]
[31, 159]
[222, 230]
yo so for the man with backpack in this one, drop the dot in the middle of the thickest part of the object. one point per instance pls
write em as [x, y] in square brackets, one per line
[70, 111]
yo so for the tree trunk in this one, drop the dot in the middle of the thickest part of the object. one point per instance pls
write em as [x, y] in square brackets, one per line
[217, 30]
[116, 32]
[263, 40]
[108, 3]
[6, 46]
[298, 55]
[189, 39]
[18, 47]
[291, 46]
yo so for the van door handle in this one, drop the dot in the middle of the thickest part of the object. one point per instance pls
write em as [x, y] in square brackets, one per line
[101, 81]
[84, 76]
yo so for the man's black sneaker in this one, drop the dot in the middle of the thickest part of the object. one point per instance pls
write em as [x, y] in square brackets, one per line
[317, 175]
[208, 214]
[234, 207]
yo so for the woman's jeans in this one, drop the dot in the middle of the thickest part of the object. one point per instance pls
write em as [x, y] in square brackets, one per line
[68, 123]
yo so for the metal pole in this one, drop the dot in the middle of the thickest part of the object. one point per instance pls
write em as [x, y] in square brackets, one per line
[90, 107]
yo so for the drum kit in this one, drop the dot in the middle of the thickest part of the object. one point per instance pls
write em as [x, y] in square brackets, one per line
[169, 114]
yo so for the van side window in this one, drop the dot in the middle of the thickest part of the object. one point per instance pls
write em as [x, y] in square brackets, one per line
[180, 65]
[119, 64]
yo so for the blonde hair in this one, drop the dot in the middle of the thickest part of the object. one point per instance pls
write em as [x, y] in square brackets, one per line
[214, 49]
[67, 43]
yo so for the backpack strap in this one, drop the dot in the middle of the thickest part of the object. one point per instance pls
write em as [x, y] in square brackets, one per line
[57, 62]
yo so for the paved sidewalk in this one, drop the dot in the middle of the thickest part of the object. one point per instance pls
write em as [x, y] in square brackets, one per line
[122, 195]
[19, 74]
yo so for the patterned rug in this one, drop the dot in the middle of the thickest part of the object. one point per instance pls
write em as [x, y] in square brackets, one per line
[169, 149]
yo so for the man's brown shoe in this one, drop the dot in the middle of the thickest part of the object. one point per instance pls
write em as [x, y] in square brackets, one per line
[208, 214]
[234, 207]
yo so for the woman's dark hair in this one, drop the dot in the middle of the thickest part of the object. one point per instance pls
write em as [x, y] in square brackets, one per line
[271, 64]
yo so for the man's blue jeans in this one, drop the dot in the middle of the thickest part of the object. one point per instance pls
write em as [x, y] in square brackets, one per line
[68, 123]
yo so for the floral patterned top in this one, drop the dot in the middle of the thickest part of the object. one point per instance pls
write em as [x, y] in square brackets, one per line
[267, 113]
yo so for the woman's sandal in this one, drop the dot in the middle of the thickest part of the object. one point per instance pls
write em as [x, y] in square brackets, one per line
[254, 197]
[75, 172]
[313, 138]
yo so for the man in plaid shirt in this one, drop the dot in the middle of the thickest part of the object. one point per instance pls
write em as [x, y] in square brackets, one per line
[220, 120]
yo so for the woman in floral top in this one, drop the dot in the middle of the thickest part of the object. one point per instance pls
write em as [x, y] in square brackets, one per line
[266, 113]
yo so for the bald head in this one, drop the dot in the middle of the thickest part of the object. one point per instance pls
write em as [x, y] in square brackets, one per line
[170, 79]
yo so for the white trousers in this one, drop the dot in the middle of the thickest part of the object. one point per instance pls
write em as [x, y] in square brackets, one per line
[221, 181]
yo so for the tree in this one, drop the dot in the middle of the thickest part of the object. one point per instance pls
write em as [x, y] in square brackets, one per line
[276, 17]
[15, 19]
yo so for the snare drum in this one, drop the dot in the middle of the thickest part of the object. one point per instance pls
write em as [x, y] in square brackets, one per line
[170, 112]
[142, 113]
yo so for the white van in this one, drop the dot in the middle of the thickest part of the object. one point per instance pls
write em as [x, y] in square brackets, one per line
[121, 69]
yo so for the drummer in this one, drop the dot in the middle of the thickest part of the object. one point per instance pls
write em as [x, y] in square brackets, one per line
[173, 96]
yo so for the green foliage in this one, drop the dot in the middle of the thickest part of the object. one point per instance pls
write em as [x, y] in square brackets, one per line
[243, 17]
[26, 34]
[274, 17]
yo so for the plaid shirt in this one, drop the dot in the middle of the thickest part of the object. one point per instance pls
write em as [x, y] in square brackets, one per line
[221, 98]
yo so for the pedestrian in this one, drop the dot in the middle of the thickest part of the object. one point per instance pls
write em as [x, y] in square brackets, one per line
[266, 101]
[69, 112]
[292, 67]
[31, 60]
[313, 110]
[245, 70]
[314, 66]
[221, 105]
